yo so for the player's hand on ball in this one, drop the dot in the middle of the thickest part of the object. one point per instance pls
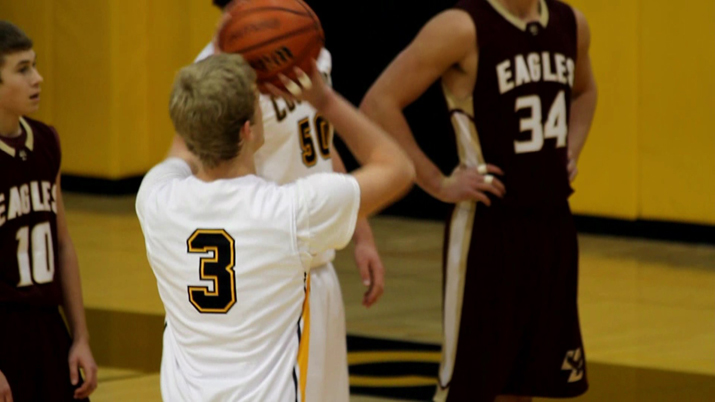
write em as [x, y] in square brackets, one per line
[471, 184]
[309, 88]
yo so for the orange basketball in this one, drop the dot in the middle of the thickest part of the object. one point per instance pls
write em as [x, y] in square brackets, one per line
[273, 36]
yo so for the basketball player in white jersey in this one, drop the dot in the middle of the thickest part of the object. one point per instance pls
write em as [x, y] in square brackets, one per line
[231, 251]
[298, 143]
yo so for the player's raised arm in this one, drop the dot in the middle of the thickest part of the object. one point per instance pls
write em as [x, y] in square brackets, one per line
[386, 171]
[446, 42]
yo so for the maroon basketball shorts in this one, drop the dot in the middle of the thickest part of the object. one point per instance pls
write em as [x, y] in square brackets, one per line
[510, 308]
[34, 348]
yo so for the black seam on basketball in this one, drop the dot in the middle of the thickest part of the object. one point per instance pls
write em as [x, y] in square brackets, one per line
[312, 16]
[272, 8]
[287, 69]
[253, 10]
[276, 39]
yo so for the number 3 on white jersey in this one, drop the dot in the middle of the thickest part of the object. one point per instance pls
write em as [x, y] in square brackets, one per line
[555, 126]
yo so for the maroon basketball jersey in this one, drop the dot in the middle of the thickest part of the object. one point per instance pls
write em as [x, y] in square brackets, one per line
[520, 108]
[29, 262]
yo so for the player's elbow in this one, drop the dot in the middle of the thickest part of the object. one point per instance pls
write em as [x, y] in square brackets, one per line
[405, 172]
[369, 104]
[374, 102]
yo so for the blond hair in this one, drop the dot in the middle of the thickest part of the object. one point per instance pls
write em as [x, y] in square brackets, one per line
[210, 102]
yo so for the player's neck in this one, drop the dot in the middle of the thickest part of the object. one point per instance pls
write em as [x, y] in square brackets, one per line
[9, 125]
[240, 166]
[526, 10]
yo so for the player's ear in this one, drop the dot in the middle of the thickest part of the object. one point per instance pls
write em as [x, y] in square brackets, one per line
[247, 133]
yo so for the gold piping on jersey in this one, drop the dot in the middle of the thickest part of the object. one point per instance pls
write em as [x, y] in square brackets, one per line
[30, 141]
[304, 346]
[518, 22]
[214, 278]
[461, 113]
[7, 149]
[460, 236]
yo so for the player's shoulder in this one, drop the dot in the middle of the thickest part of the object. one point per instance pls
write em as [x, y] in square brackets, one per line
[39, 127]
[558, 8]
[454, 28]
[40, 132]
[574, 17]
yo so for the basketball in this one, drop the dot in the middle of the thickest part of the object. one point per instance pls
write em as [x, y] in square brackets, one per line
[273, 36]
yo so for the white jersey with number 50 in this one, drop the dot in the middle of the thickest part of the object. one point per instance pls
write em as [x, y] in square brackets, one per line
[297, 139]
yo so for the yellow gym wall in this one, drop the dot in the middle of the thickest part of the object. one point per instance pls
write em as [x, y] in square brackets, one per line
[109, 64]
[108, 67]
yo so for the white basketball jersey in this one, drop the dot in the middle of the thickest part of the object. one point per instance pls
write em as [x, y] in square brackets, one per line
[231, 258]
[297, 139]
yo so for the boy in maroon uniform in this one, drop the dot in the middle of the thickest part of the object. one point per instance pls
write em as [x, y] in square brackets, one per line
[517, 79]
[38, 265]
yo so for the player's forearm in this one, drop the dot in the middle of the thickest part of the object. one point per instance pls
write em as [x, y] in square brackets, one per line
[72, 292]
[582, 111]
[390, 118]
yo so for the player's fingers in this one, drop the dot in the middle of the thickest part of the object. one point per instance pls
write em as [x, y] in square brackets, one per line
[378, 282]
[489, 179]
[279, 93]
[494, 169]
[364, 272]
[90, 383]
[479, 196]
[291, 86]
[490, 188]
[74, 370]
[303, 78]
[489, 183]
[83, 391]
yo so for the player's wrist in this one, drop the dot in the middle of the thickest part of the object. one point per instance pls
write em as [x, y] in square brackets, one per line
[80, 336]
[324, 101]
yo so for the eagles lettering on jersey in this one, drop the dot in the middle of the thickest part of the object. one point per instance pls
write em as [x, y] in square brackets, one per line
[535, 67]
[36, 196]
[518, 115]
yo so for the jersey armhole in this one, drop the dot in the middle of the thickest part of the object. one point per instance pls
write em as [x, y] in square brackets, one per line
[56, 137]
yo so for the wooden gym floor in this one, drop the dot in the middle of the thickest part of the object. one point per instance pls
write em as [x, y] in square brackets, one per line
[647, 309]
